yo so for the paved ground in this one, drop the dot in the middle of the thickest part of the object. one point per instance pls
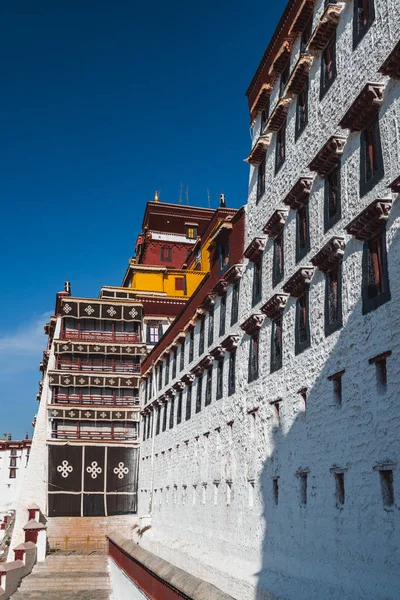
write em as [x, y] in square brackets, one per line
[70, 577]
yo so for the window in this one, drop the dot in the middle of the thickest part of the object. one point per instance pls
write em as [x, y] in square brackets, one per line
[13, 452]
[174, 363]
[275, 489]
[13, 461]
[364, 15]
[164, 425]
[333, 300]
[201, 334]
[386, 478]
[211, 326]
[208, 387]
[261, 179]
[182, 357]
[339, 481]
[232, 373]
[264, 116]
[235, 303]
[149, 424]
[160, 376]
[145, 417]
[277, 266]
[167, 370]
[191, 232]
[381, 370]
[154, 333]
[305, 36]
[303, 488]
[257, 281]
[224, 258]
[191, 345]
[332, 210]
[171, 413]
[166, 254]
[222, 315]
[220, 379]
[284, 78]
[189, 402]
[371, 161]
[276, 344]
[375, 280]
[328, 66]
[13, 473]
[199, 392]
[158, 423]
[280, 147]
[302, 333]
[337, 386]
[179, 409]
[302, 232]
[180, 284]
[253, 357]
[301, 111]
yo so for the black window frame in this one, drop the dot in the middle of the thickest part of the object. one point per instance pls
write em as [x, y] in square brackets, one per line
[301, 252]
[195, 232]
[160, 375]
[306, 35]
[369, 302]
[276, 333]
[235, 303]
[278, 261]
[284, 77]
[332, 324]
[222, 315]
[220, 380]
[191, 345]
[172, 413]
[158, 421]
[199, 393]
[202, 328]
[301, 124]
[261, 170]
[167, 361]
[372, 130]
[280, 147]
[232, 373]
[257, 281]
[224, 257]
[210, 335]
[179, 408]
[208, 394]
[188, 412]
[174, 363]
[326, 82]
[329, 187]
[164, 423]
[182, 357]
[359, 30]
[302, 344]
[254, 357]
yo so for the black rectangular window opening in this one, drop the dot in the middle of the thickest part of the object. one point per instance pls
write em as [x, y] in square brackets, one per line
[235, 303]
[280, 151]
[371, 159]
[301, 111]
[284, 78]
[211, 326]
[257, 281]
[232, 373]
[160, 375]
[220, 379]
[182, 357]
[188, 402]
[172, 413]
[375, 276]
[179, 409]
[158, 420]
[302, 232]
[302, 333]
[164, 425]
[328, 66]
[222, 315]
[201, 335]
[386, 479]
[264, 116]
[175, 360]
[167, 369]
[339, 481]
[191, 345]
[199, 393]
[208, 387]
[253, 357]
[303, 488]
[305, 35]
[333, 300]
[332, 201]
[278, 258]
[276, 344]
[166, 254]
[261, 179]
[364, 15]
[275, 489]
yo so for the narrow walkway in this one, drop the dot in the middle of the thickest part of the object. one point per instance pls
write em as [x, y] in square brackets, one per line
[67, 577]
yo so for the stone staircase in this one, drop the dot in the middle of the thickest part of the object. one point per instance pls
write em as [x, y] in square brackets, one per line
[67, 577]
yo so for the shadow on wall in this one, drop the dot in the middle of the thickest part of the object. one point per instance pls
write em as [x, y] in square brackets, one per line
[330, 531]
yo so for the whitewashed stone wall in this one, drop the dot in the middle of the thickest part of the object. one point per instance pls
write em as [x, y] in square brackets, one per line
[10, 488]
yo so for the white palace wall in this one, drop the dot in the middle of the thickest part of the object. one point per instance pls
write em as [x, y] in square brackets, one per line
[213, 511]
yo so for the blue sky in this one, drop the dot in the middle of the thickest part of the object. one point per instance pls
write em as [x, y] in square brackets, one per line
[102, 103]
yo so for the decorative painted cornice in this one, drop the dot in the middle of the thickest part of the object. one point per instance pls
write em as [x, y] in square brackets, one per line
[395, 186]
[255, 249]
[234, 273]
[206, 362]
[276, 222]
[231, 342]
[329, 155]
[325, 28]
[261, 101]
[218, 352]
[259, 150]
[364, 108]
[209, 301]
[178, 386]
[391, 66]
[299, 194]
[278, 115]
[371, 220]
[303, 16]
[275, 305]
[221, 287]
[299, 282]
[252, 324]
[282, 57]
[299, 75]
[188, 378]
[330, 255]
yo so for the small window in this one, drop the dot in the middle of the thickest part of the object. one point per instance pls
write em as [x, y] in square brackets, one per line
[275, 489]
[144, 423]
[302, 333]
[166, 254]
[13, 473]
[160, 375]
[182, 357]
[278, 267]
[174, 363]
[257, 281]
[305, 36]
[158, 423]
[284, 77]
[333, 300]
[276, 344]
[386, 478]
[235, 303]
[301, 111]
[13, 452]
[302, 232]
[154, 333]
[337, 387]
[224, 258]
[167, 370]
[364, 15]
[208, 387]
[375, 280]
[149, 424]
[261, 179]
[222, 315]
[332, 198]
[220, 379]
[172, 413]
[201, 335]
[164, 425]
[339, 481]
[13, 461]
[191, 345]
[328, 66]
[380, 363]
[180, 284]
[253, 357]
[191, 232]
[280, 148]
[199, 393]
[188, 402]
[303, 488]
[179, 409]
[211, 326]
[371, 161]
[264, 116]
[232, 373]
